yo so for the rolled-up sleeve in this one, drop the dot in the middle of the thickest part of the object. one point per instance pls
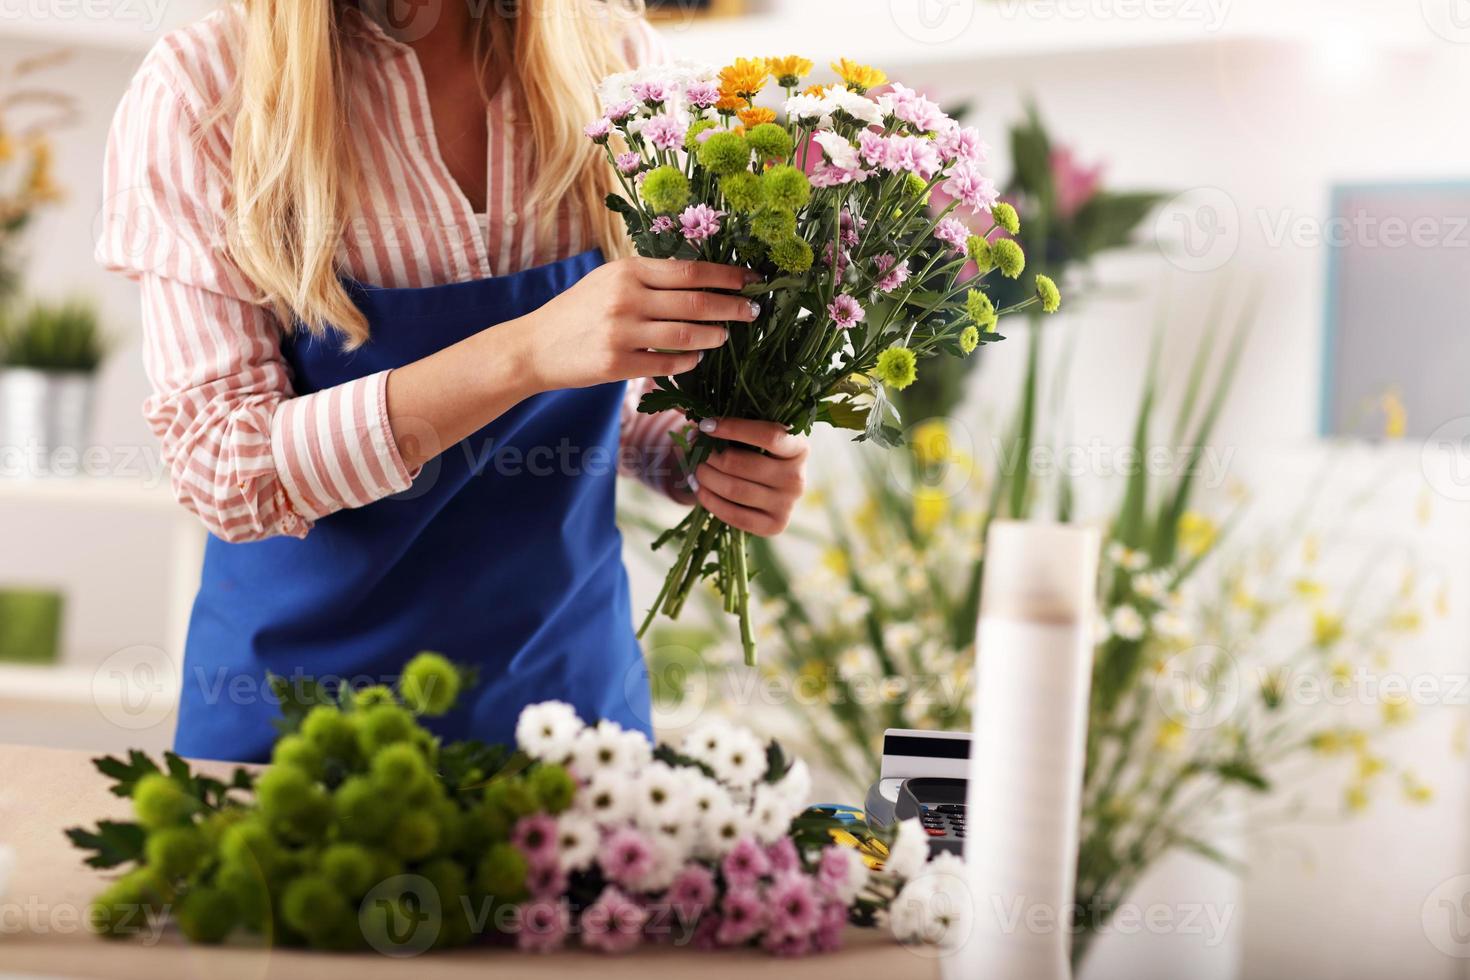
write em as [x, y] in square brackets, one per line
[247, 454]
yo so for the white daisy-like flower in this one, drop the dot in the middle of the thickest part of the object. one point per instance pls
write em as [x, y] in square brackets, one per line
[856, 661]
[577, 841]
[844, 155]
[723, 825]
[1149, 585]
[547, 731]
[741, 760]
[859, 107]
[678, 837]
[670, 854]
[795, 788]
[893, 689]
[609, 746]
[1170, 625]
[701, 794]
[854, 608]
[707, 742]
[608, 797]
[936, 907]
[1126, 558]
[809, 108]
[902, 638]
[1127, 623]
[661, 796]
[770, 814]
[909, 851]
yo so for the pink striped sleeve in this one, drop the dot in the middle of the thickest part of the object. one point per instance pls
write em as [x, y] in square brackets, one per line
[250, 458]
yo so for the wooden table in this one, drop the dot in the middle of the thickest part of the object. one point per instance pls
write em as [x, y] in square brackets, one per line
[42, 930]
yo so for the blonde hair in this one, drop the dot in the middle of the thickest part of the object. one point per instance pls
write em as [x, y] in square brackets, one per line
[289, 208]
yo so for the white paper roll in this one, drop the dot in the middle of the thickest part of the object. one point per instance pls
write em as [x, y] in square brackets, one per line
[1034, 650]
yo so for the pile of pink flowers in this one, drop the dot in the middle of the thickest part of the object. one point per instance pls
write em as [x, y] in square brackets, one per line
[688, 847]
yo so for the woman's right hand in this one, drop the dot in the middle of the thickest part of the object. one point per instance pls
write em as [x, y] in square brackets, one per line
[634, 318]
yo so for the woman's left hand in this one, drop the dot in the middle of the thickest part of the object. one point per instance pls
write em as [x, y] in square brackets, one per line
[749, 490]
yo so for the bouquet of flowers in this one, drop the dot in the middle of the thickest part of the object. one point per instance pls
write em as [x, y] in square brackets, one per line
[827, 198]
[367, 833]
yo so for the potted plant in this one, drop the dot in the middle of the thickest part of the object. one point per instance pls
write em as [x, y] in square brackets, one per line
[49, 355]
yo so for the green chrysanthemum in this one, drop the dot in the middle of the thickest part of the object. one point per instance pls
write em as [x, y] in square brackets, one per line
[898, 367]
[175, 852]
[553, 787]
[207, 915]
[1006, 217]
[978, 249]
[969, 339]
[771, 142]
[430, 685]
[725, 153]
[787, 187]
[691, 138]
[1009, 258]
[158, 801]
[331, 731]
[1049, 294]
[666, 189]
[773, 224]
[792, 255]
[372, 695]
[916, 186]
[298, 751]
[502, 872]
[744, 191]
[981, 310]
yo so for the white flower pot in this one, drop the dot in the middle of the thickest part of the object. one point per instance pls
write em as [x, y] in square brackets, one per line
[43, 413]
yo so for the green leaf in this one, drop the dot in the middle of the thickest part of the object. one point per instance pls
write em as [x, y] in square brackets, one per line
[1109, 220]
[1243, 772]
[126, 774]
[775, 285]
[844, 414]
[115, 843]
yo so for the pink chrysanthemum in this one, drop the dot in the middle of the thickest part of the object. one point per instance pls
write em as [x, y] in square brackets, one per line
[831, 256]
[828, 937]
[962, 143]
[599, 131]
[542, 925]
[629, 163]
[662, 225]
[742, 915]
[891, 273]
[546, 880]
[651, 91]
[621, 110]
[627, 857]
[613, 923]
[665, 132]
[535, 837]
[971, 188]
[953, 232]
[827, 175]
[782, 854]
[700, 221]
[745, 864]
[792, 905]
[915, 155]
[692, 892]
[916, 110]
[848, 229]
[703, 94]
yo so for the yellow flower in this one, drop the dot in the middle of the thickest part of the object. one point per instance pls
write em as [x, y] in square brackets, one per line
[836, 560]
[1327, 629]
[858, 77]
[730, 102]
[1369, 766]
[929, 442]
[1415, 791]
[7, 148]
[1308, 588]
[790, 70]
[746, 77]
[1341, 671]
[1397, 710]
[816, 90]
[1170, 736]
[41, 185]
[1395, 416]
[1357, 739]
[1197, 533]
[756, 115]
[1405, 621]
[1326, 743]
[930, 506]
[1356, 799]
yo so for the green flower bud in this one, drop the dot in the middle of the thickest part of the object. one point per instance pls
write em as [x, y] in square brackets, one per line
[249, 892]
[250, 846]
[176, 852]
[978, 249]
[1047, 292]
[771, 142]
[969, 339]
[293, 804]
[691, 137]
[1006, 217]
[207, 915]
[981, 310]
[898, 368]
[666, 189]
[300, 752]
[512, 795]
[502, 872]
[787, 187]
[362, 812]
[332, 732]
[123, 908]
[1009, 258]
[372, 696]
[351, 868]
[400, 771]
[744, 191]
[723, 153]
[553, 787]
[429, 685]
[385, 725]
[792, 255]
[312, 906]
[414, 836]
[772, 224]
[917, 186]
[158, 801]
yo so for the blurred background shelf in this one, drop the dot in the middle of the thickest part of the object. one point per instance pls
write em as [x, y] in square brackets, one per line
[91, 492]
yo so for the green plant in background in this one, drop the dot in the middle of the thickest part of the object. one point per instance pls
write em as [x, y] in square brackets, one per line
[29, 114]
[1190, 699]
[54, 337]
[30, 626]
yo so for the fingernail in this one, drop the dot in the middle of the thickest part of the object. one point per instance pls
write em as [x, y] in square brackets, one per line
[693, 483]
[708, 425]
[700, 358]
[755, 308]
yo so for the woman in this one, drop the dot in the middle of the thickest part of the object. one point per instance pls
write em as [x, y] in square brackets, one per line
[390, 362]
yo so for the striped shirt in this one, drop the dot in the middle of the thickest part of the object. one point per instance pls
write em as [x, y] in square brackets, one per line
[246, 453]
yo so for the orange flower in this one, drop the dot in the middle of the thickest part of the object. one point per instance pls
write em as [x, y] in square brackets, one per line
[731, 102]
[756, 115]
[790, 70]
[816, 90]
[858, 77]
[746, 77]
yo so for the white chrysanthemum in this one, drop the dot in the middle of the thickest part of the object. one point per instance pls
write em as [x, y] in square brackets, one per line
[723, 825]
[859, 107]
[936, 907]
[1149, 585]
[741, 760]
[854, 608]
[795, 788]
[677, 837]
[672, 845]
[707, 742]
[608, 797]
[769, 816]
[662, 796]
[609, 746]
[1170, 625]
[702, 794]
[1126, 558]
[902, 638]
[856, 662]
[909, 851]
[1127, 623]
[892, 689]
[809, 109]
[577, 841]
[843, 154]
[547, 731]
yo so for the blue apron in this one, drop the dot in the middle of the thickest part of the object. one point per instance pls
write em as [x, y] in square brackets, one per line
[503, 554]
